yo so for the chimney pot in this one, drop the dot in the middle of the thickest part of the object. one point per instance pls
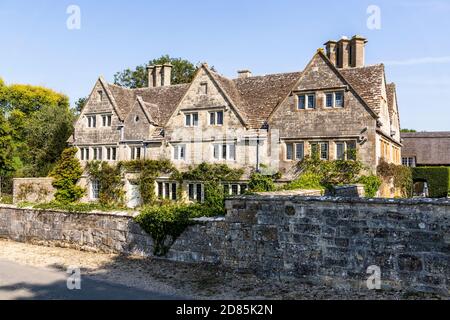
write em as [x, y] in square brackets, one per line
[167, 74]
[330, 48]
[358, 45]
[243, 74]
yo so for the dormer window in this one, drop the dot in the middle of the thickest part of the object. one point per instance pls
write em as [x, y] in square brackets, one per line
[92, 121]
[306, 101]
[334, 99]
[106, 120]
[191, 120]
[216, 118]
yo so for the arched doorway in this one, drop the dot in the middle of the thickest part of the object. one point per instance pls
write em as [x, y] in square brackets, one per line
[421, 188]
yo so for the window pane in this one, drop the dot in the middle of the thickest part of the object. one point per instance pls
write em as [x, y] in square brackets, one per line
[216, 151]
[108, 153]
[224, 151]
[182, 152]
[232, 152]
[299, 151]
[188, 120]
[167, 191]
[235, 189]
[199, 192]
[289, 151]
[311, 101]
[314, 150]
[195, 119]
[175, 153]
[340, 151]
[160, 190]
[212, 118]
[191, 191]
[87, 154]
[114, 153]
[174, 191]
[339, 99]
[301, 102]
[329, 103]
[351, 150]
[324, 151]
[220, 118]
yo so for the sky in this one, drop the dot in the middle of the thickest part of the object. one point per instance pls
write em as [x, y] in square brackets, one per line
[266, 36]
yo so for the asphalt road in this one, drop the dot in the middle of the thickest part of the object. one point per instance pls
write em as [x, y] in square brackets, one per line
[18, 282]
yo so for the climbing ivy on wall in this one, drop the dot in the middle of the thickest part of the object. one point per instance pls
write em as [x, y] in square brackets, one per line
[401, 176]
[110, 182]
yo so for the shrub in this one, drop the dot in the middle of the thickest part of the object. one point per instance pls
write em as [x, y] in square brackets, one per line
[401, 175]
[6, 199]
[308, 180]
[371, 184]
[77, 207]
[166, 223]
[438, 179]
[261, 183]
[66, 174]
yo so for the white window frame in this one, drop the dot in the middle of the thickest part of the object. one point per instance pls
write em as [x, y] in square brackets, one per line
[95, 185]
[294, 154]
[409, 161]
[190, 116]
[134, 153]
[195, 191]
[111, 153]
[229, 156]
[179, 152]
[241, 188]
[163, 194]
[215, 114]
[319, 145]
[84, 154]
[91, 121]
[107, 120]
[97, 153]
[307, 96]
[333, 99]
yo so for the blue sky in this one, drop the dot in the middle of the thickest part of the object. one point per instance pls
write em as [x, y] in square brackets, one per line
[261, 35]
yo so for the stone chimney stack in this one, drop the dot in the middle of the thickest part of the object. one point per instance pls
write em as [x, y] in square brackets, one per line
[159, 75]
[167, 74]
[358, 45]
[243, 74]
[343, 53]
[347, 53]
[331, 47]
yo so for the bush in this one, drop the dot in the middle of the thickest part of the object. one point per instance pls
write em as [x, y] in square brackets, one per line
[371, 184]
[76, 207]
[401, 175]
[66, 174]
[6, 199]
[166, 223]
[307, 181]
[261, 183]
[110, 182]
[438, 179]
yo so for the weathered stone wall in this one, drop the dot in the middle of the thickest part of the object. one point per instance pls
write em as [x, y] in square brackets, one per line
[329, 241]
[34, 190]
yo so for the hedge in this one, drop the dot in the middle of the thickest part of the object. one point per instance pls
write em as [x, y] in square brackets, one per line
[438, 179]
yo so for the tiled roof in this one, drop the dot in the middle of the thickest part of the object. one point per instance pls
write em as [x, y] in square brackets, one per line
[391, 92]
[254, 98]
[261, 95]
[368, 82]
[429, 148]
[160, 102]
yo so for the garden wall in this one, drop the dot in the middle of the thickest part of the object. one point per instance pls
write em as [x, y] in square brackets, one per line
[320, 240]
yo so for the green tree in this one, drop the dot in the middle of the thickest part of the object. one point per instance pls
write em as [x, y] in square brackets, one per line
[41, 122]
[66, 174]
[6, 147]
[80, 103]
[183, 72]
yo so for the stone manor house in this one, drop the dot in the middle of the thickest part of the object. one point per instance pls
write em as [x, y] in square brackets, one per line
[336, 104]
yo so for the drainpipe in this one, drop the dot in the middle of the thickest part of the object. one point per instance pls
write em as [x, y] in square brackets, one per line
[257, 155]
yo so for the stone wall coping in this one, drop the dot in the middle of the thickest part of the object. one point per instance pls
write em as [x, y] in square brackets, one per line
[347, 186]
[209, 219]
[296, 198]
[33, 179]
[95, 212]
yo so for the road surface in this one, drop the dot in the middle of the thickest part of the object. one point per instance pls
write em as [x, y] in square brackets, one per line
[18, 282]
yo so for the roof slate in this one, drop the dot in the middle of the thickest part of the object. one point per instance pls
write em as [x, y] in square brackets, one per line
[254, 97]
[429, 148]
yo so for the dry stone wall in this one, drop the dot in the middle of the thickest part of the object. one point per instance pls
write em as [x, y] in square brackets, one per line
[320, 240]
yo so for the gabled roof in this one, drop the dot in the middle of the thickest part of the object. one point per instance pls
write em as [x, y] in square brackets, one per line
[159, 102]
[254, 98]
[368, 83]
[391, 92]
[260, 95]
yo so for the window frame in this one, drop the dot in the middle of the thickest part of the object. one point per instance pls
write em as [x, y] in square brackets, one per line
[191, 116]
[179, 152]
[214, 118]
[193, 186]
[95, 189]
[224, 151]
[107, 120]
[91, 121]
[319, 145]
[334, 100]
[306, 100]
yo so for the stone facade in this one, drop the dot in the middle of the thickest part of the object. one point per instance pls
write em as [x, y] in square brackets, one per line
[36, 190]
[326, 241]
[249, 121]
